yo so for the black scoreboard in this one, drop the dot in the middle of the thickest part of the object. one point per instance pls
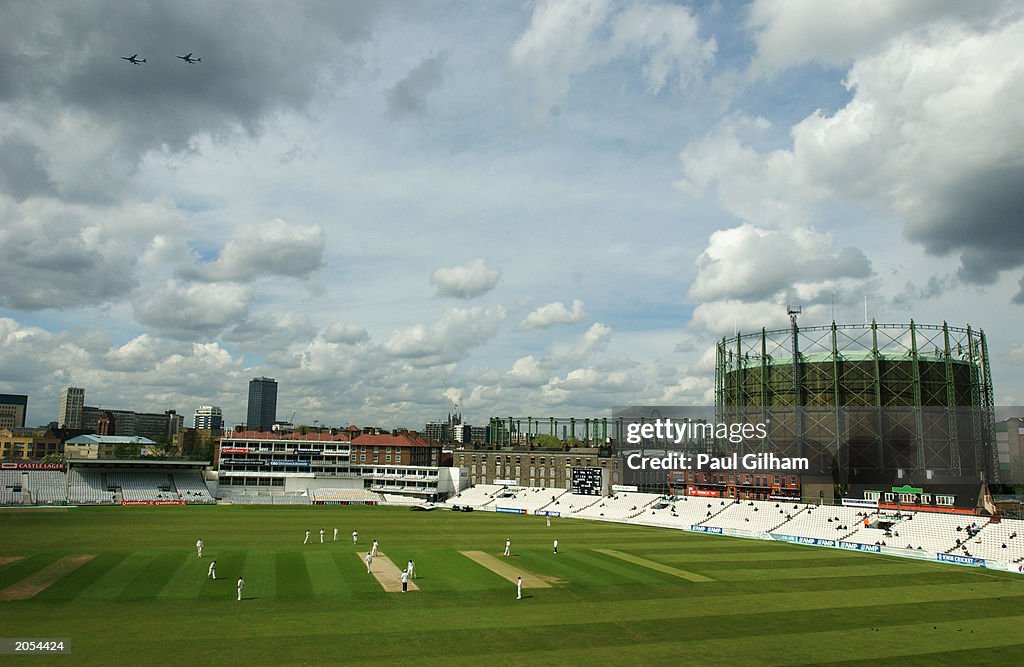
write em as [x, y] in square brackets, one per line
[587, 481]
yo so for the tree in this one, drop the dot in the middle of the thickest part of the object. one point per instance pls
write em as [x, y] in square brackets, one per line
[54, 458]
[547, 442]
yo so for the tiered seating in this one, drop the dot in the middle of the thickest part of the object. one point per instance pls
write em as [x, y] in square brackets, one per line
[757, 516]
[931, 531]
[87, 487]
[142, 485]
[571, 503]
[619, 507]
[9, 479]
[192, 488]
[476, 496]
[527, 498]
[825, 522]
[351, 495]
[395, 499]
[678, 512]
[49, 487]
[1003, 541]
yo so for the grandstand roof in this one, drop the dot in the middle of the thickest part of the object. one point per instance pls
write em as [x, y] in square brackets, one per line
[92, 439]
[136, 463]
[266, 435]
[400, 440]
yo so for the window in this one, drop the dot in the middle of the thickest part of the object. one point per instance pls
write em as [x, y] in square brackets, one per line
[944, 500]
[387, 458]
[889, 497]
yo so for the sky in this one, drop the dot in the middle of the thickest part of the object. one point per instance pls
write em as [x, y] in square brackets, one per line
[540, 208]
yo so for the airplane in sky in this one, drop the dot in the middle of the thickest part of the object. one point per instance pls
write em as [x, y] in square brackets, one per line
[189, 59]
[135, 59]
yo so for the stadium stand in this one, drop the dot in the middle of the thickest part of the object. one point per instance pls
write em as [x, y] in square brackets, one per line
[1002, 541]
[619, 507]
[476, 496]
[529, 499]
[10, 480]
[87, 487]
[824, 522]
[929, 531]
[572, 503]
[191, 487]
[142, 485]
[758, 516]
[345, 495]
[48, 487]
[678, 512]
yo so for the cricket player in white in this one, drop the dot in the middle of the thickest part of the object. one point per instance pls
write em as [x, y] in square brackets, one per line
[374, 549]
[355, 537]
[212, 572]
[519, 588]
[556, 546]
[335, 534]
[240, 585]
[321, 536]
[412, 569]
[199, 548]
[508, 547]
[549, 522]
[306, 541]
[369, 560]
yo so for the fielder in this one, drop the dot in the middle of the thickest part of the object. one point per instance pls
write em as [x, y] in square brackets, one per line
[374, 549]
[369, 560]
[556, 546]
[212, 572]
[199, 548]
[335, 534]
[355, 537]
[321, 536]
[411, 569]
[306, 541]
[549, 522]
[519, 588]
[508, 547]
[240, 585]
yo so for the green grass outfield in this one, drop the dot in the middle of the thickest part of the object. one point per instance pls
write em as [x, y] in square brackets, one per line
[145, 598]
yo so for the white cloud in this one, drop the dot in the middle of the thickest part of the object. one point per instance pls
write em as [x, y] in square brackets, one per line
[272, 248]
[56, 255]
[346, 334]
[566, 39]
[750, 263]
[527, 372]
[465, 281]
[931, 136]
[449, 339]
[197, 310]
[792, 32]
[554, 313]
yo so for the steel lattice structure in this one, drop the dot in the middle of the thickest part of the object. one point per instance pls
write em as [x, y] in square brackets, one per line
[866, 400]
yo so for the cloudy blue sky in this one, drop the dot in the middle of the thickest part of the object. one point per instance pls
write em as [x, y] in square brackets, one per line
[544, 208]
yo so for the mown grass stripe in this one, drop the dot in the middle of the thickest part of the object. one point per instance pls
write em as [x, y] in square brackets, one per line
[18, 570]
[659, 567]
[151, 580]
[118, 578]
[70, 587]
[291, 575]
[324, 577]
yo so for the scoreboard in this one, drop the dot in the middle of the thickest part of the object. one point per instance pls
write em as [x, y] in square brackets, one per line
[587, 481]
